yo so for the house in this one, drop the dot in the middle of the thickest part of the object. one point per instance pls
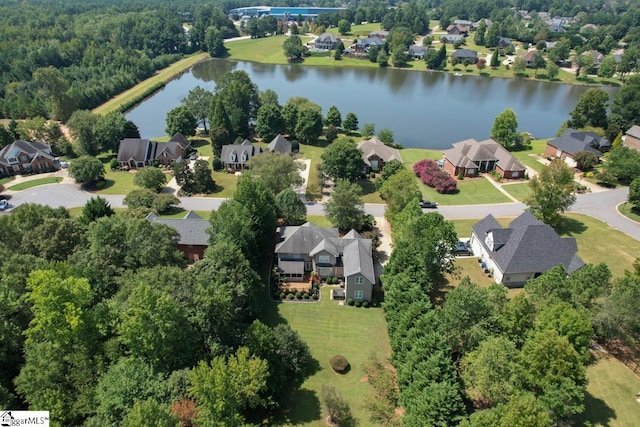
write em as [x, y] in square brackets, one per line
[462, 55]
[194, 238]
[417, 52]
[530, 57]
[21, 157]
[137, 152]
[463, 23]
[327, 41]
[554, 28]
[487, 22]
[234, 157]
[597, 56]
[631, 138]
[381, 34]
[280, 145]
[454, 29]
[363, 45]
[471, 157]
[504, 43]
[588, 27]
[451, 38]
[571, 142]
[375, 154]
[306, 248]
[522, 251]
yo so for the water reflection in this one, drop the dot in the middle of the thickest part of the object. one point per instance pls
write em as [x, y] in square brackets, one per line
[422, 108]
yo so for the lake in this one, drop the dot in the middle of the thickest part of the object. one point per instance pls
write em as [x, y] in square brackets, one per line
[423, 109]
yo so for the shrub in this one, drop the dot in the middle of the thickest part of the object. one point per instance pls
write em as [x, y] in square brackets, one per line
[460, 176]
[365, 304]
[314, 296]
[216, 164]
[305, 296]
[114, 164]
[290, 296]
[585, 160]
[339, 364]
[298, 295]
[358, 303]
[283, 295]
[350, 301]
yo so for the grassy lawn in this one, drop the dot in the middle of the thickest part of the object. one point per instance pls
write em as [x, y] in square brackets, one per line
[628, 210]
[226, 184]
[330, 329]
[164, 75]
[369, 192]
[597, 242]
[116, 182]
[520, 191]
[475, 191]
[319, 220]
[179, 213]
[357, 30]
[463, 226]
[411, 156]
[6, 180]
[35, 182]
[313, 153]
[266, 50]
[611, 395]
[530, 157]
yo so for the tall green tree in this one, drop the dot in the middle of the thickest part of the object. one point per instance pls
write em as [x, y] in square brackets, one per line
[290, 208]
[309, 125]
[109, 129]
[591, 110]
[623, 163]
[293, 47]
[203, 182]
[96, 207]
[54, 86]
[276, 171]
[334, 117]
[239, 98]
[504, 129]
[342, 159]
[269, 122]
[215, 43]
[199, 101]
[86, 169]
[552, 192]
[82, 127]
[254, 194]
[350, 122]
[345, 209]
[150, 178]
[181, 120]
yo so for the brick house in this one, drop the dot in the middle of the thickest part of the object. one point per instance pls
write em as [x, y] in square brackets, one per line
[571, 142]
[22, 157]
[327, 41]
[471, 157]
[375, 154]
[194, 238]
[136, 152]
[631, 138]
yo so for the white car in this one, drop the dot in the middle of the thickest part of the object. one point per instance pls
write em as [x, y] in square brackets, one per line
[3, 204]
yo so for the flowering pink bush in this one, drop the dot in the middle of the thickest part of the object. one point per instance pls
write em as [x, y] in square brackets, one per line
[434, 177]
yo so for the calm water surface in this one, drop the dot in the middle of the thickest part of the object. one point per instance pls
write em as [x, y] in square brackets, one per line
[423, 109]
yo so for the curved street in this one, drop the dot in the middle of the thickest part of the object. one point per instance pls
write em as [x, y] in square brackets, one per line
[601, 205]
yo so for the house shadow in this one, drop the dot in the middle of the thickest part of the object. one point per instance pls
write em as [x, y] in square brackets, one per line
[569, 226]
[597, 412]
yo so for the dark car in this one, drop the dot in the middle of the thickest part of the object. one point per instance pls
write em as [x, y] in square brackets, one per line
[426, 204]
[463, 248]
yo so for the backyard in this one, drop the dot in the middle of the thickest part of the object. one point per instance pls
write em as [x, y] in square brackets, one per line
[331, 329]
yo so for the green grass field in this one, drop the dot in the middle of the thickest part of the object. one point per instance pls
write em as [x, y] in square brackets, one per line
[628, 210]
[319, 220]
[331, 329]
[6, 180]
[35, 182]
[611, 395]
[520, 191]
[475, 191]
[531, 156]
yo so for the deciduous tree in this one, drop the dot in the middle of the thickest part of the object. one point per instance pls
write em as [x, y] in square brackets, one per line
[270, 122]
[505, 129]
[342, 159]
[293, 47]
[151, 178]
[552, 192]
[181, 120]
[345, 209]
[198, 101]
[291, 209]
[350, 122]
[591, 110]
[309, 125]
[86, 169]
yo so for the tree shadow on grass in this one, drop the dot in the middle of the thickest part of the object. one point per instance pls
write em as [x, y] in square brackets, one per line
[367, 186]
[569, 227]
[99, 185]
[597, 412]
[305, 408]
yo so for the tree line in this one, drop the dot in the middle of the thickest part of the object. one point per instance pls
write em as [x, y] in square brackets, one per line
[102, 324]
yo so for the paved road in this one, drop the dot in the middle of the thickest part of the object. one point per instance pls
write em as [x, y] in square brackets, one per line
[600, 205]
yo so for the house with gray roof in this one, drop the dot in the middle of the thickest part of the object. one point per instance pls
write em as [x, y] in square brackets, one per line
[21, 157]
[451, 38]
[280, 145]
[234, 157]
[363, 45]
[417, 52]
[470, 157]
[571, 142]
[462, 55]
[523, 250]
[137, 152]
[381, 34]
[375, 154]
[306, 248]
[194, 238]
[631, 138]
[326, 41]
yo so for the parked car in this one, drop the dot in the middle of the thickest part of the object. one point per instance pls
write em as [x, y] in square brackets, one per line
[3, 204]
[463, 248]
[194, 156]
[64, 164]
[427, 204]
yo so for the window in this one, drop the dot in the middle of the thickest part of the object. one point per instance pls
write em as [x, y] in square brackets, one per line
[359, 280]
[295, 255]
[324, 259]
[245, 157]
[358, 295]
[515, 174]
[233, 157]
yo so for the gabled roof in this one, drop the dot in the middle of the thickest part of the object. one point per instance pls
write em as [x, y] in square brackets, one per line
[311, 239]
[180, 139]
[280, 144]
[504, 42]
[327, 38]
[228, 151]
[379, 34]
[369, 41]
[144, 150]
[191, 228]
[573, 141]
[527, 245]
[373, 146]
[469, 153]
[633, 131]
[414, 49]
[529, 55]
[32, 149]
[452, 37]
[465, 53]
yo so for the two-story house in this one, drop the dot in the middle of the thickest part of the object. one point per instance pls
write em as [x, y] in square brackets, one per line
[21, 157]
[306, 248]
